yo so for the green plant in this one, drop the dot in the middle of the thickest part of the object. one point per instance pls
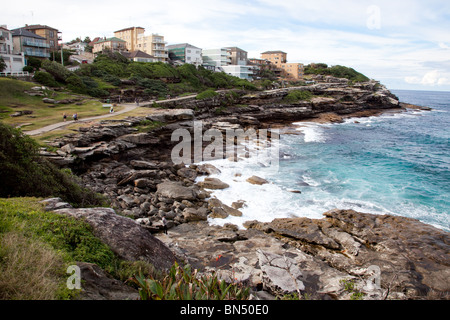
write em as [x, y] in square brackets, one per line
[207, 94]
[297, 95]
[183, 283]
[350, 287]
[25, 173]
[45, 78]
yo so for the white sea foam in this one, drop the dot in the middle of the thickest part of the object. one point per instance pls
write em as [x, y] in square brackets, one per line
[313, 132]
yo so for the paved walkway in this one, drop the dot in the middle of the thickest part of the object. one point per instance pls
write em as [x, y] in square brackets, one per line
[127, 108]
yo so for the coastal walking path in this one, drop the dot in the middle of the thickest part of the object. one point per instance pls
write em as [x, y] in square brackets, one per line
[127, 108]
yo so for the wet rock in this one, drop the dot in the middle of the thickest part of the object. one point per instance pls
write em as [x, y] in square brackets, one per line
[257, 180]
[213, 183]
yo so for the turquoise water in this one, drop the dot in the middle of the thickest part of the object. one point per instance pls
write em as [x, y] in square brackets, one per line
[392, 164]
[397, 164]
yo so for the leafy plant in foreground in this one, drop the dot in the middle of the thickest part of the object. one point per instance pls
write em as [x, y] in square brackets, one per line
[183, 283]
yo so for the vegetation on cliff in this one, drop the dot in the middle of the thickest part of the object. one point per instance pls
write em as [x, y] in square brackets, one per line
[111, 70]
[335, 71]
[25, 173]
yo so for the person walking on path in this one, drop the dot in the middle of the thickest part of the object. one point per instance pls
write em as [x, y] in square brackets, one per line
[64, 117]
[75, 116]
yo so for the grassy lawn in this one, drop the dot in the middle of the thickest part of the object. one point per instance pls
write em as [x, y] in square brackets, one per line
[13, 98]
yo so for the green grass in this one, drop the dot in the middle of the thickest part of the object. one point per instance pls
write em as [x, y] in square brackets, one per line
[13, 98]
[24, 228]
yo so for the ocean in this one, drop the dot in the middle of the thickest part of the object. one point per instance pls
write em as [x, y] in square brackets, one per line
[396, 163]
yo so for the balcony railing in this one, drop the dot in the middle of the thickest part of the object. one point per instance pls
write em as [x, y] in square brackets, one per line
[35, 53]
[32, 43]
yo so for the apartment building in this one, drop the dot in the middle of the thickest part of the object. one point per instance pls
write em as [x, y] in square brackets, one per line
[130, 35]
[281, 68]
[136, 39]
[216, 58]
[14, 62]
[49, 33]
[153, 45]
[275, 57]
[113, 44]
[237, 56]
[292, 71]
[31, 44]
[185, 53]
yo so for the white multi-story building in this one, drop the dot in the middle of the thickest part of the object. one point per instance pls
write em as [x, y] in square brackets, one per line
[240, 71]
[14, 61]
[232, 61]
[216, 58]
[185, 53]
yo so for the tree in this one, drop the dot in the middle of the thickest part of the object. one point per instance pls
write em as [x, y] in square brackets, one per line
[2, 64]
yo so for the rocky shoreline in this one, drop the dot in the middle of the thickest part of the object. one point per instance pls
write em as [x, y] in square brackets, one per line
[128, 161]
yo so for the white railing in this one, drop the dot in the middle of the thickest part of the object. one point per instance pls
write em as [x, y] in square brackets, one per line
[15, 74]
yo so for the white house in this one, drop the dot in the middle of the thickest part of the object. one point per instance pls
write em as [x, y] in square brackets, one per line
[14, 62]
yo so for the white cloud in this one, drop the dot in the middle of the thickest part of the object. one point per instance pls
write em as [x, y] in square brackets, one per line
[431, 78]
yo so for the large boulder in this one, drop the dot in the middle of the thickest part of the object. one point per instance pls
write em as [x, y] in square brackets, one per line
[213, 183]
[124, 236]
[176, 191]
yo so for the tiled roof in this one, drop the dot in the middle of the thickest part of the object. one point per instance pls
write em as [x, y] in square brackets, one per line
[110, 39]
[268, 52]
[136, 54]
[25, 33]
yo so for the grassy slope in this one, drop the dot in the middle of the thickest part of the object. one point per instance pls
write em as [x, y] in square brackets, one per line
[13, 98]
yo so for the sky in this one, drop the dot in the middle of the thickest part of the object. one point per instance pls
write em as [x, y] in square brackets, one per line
[404, 44]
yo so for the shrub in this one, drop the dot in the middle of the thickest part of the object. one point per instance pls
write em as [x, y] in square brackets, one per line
[183, 283]
[58, 71]
[297, 95]
[25, 173]
[45, 79]
[207, 94]
[76, 84]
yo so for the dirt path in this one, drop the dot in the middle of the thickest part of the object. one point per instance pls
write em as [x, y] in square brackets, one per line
[127, 108]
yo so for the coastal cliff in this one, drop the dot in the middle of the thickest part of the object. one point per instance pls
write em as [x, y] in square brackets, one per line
[383, 257]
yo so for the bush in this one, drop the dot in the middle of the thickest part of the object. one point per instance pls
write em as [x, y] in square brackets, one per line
[25, 173]
[297, 95]
[183, 283]
[76, 84]
[58, 71]
[207, 94]
[45, 79]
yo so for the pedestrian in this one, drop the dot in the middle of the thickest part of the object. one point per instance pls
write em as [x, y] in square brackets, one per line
[75, 116]
[137, 102]
[164, 221]
[64, 117]
[111, 110]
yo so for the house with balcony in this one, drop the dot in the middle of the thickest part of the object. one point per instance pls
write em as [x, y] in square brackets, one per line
[113, 44]
[14, 61]
[51, 34]
[154, 45]
[185, 53]
[31, 44]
